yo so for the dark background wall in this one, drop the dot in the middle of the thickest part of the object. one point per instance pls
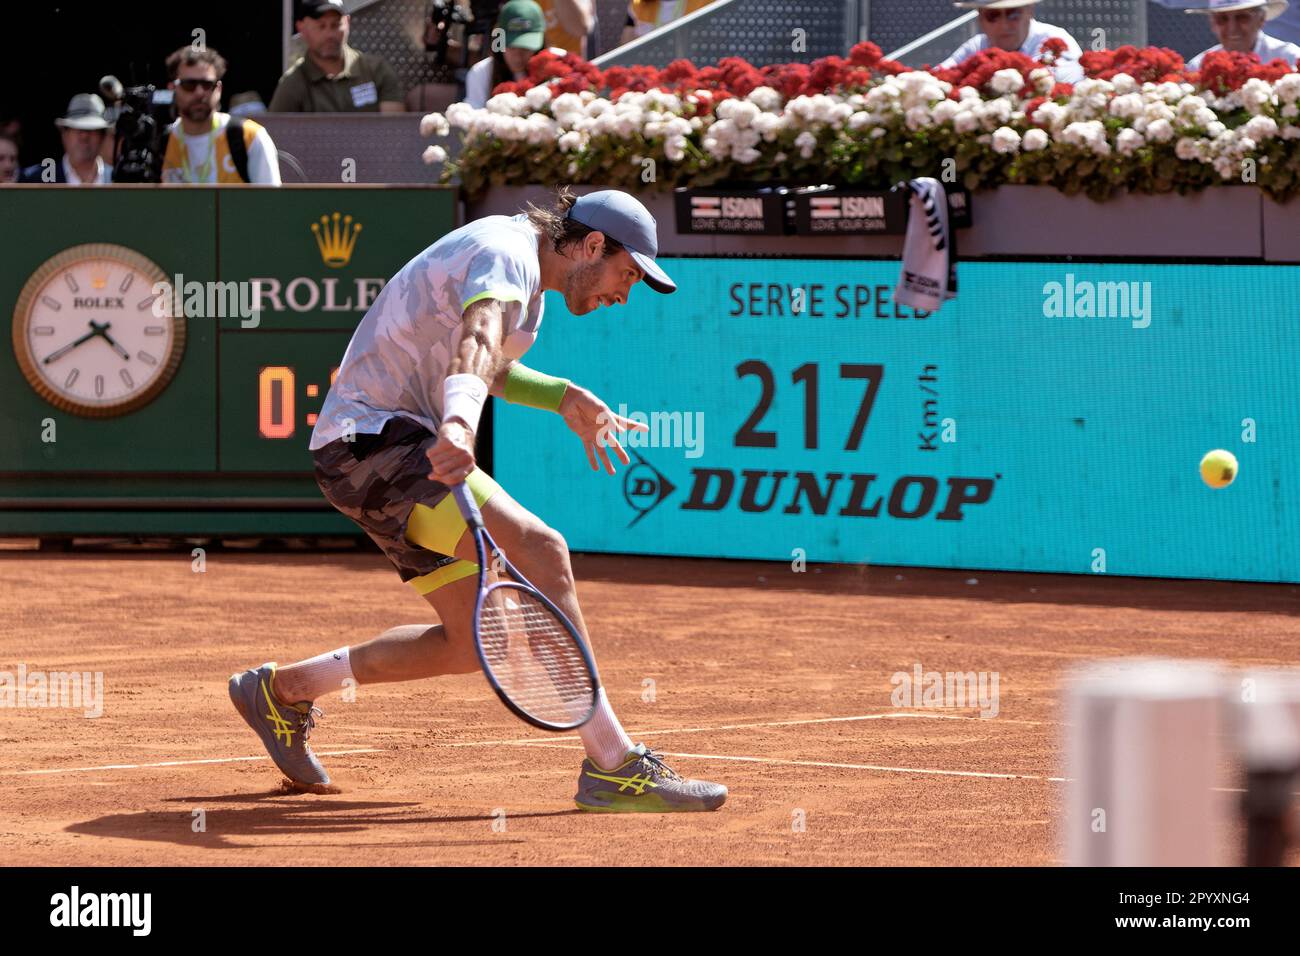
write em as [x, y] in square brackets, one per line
[56, 48]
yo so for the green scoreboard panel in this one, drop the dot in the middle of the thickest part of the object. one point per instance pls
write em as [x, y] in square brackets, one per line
[171, 347]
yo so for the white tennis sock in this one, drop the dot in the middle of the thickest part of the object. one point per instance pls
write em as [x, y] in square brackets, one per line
[309, 679]
[603, 736]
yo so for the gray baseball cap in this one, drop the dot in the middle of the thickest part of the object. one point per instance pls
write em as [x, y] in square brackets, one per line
[623, 218]
[85, 111]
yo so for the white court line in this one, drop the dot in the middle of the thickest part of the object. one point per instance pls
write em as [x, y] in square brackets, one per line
[173, 763]
[843, 766]
[770, 723]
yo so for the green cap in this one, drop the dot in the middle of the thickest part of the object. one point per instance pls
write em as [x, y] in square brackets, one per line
[524, 23]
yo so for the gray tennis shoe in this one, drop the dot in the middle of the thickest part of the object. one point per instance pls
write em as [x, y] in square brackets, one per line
[284, 728]
[643, 783]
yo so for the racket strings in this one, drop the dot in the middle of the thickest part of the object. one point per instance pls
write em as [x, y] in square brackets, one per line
[534, 658]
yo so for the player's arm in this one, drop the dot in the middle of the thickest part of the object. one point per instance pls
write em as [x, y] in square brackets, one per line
[476, 362]
[589, 417]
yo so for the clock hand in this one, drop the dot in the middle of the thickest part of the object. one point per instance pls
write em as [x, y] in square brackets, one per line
[103, 330]
[59, 353]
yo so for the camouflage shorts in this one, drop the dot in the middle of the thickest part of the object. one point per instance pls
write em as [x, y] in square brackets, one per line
[376, 480]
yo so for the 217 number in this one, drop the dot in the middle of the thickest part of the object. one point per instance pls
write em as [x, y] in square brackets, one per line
[749, 435]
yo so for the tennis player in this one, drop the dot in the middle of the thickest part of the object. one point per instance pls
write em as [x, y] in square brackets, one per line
[398, 428]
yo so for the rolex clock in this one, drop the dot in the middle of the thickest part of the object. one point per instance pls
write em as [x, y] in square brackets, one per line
[91, 334]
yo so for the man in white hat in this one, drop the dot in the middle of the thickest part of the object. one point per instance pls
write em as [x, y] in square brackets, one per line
[1010, 25]
[1239, 25]
[82, 129]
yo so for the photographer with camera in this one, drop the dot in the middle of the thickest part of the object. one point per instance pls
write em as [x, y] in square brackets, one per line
[207, 146]
[82, 129]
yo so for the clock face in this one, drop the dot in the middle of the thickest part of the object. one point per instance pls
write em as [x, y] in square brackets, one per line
[91, 335]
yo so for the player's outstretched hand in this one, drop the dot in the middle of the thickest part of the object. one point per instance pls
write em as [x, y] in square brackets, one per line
[451, 458]
[593, 422]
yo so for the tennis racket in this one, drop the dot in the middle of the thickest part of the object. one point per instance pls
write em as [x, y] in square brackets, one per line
[532, 654]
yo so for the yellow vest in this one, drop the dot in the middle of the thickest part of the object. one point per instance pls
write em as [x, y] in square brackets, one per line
[652, 14]
[179, 167]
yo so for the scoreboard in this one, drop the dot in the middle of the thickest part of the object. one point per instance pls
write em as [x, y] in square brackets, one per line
[172, 346]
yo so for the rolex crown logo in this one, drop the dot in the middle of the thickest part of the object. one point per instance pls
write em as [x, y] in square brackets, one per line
[98, 278]
[336, 240]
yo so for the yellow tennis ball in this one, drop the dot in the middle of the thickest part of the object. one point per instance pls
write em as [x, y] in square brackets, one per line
[1218, 468]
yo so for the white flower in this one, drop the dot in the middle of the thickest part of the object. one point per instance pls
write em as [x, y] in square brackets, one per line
[1007, 81]
[1160, 131]
[1290, 111]
[1005, 140]
[859, 120]
[1128, 106]
[878, 132]
[460, 115]
[1034, 139]
[747, 155]
[1215, 129]
[1050, 114]
[1287, 89]
[1124, 83]
[1186, 149]
[963, 122]
[917, 117]
[1256, 94]
[1128, 142]
[765, 98]
[807, 144]
[779, 158]
[434, 124]
[570, 141]
[537, 97]
[434, 154]
[1089, 133]
[1042, 80]
[945, 110]
[1260, 128]
[675, 148]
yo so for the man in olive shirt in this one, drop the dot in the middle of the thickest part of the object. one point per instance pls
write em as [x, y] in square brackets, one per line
[333, 77]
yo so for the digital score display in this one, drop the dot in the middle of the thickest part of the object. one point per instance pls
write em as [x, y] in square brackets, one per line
[272, 386]
[796, 411]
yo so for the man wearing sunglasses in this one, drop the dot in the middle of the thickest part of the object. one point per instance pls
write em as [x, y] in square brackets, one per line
[1239, 25]
[207, 146]
[1010, 25]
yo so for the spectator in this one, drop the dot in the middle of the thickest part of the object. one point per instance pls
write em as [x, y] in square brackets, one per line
[1010, 25]
[248, 103]
[82, 130]
[1239, 26]
[333, 77]
[525, 32]
[568, 24]
[8, 159]
[646, 15]
[207, 146]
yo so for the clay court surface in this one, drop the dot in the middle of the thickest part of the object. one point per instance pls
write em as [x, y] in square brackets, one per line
[776, 683]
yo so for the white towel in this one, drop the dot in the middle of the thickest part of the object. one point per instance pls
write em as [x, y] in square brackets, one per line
[929, 276]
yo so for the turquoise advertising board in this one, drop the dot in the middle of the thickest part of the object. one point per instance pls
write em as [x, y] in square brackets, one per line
[1051, 418]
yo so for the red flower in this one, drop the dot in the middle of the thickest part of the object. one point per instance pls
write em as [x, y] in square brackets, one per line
[978, 69]
[1222, 70]
[1148, 65]
[1055, 46]
[827, 73]
[865, 54]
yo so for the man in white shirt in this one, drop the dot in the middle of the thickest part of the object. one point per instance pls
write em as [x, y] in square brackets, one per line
[397, 431]
[207, 146]
[1010, 25]
[82, 129]
[1239, 26]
